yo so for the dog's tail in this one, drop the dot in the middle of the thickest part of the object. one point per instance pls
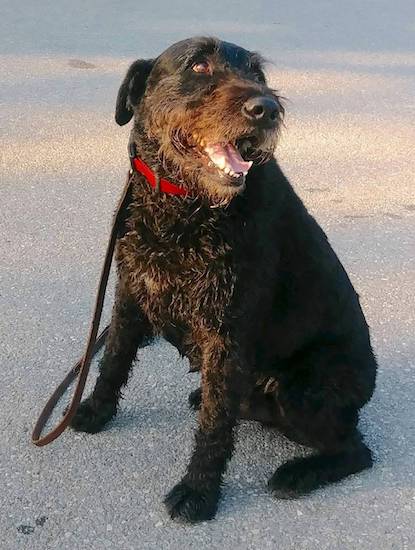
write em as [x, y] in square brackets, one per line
[302, 475]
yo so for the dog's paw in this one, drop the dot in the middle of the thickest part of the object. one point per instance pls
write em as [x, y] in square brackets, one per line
[191, 505]
[91, 417]
[289, 481]
[300, 476]
[195, 399]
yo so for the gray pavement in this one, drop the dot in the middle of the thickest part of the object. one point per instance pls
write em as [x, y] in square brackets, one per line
[348, 69]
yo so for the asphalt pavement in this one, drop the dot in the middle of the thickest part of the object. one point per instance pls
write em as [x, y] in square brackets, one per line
[348, 72]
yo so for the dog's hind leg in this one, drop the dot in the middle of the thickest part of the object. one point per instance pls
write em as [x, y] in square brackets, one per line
[317, 403]
[329, 429]
[129, 330]
[300, 476]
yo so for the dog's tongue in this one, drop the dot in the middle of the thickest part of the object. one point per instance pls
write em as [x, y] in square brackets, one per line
[227, 158]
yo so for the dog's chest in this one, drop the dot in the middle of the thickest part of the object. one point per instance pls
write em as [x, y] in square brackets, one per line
[179, 277]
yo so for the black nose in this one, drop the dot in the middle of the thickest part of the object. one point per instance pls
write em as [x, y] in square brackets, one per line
[261, 109]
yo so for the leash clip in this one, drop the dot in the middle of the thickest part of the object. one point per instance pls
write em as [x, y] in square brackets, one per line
[132, 153]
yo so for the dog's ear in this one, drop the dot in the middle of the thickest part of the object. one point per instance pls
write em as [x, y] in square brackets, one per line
[132, 90]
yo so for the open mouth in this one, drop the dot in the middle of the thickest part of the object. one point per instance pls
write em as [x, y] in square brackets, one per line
[226, 158]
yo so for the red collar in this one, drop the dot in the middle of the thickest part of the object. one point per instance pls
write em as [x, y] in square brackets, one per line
[162, 184]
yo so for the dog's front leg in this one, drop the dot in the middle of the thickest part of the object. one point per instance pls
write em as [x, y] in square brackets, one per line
[129, 330]
[224, 374]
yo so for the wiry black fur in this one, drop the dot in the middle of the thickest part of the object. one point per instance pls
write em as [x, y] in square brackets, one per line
[251, 291]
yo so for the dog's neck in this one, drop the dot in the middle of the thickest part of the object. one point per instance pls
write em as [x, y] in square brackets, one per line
[159, 184]
[148, 151]
[192, 207]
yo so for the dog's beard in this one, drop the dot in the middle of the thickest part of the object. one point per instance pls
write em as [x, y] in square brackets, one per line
[213, 162]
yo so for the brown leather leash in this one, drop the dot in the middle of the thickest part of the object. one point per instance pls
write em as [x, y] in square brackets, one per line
[81, 368]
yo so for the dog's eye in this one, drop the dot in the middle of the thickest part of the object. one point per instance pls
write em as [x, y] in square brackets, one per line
[202, 67]
[259, 77]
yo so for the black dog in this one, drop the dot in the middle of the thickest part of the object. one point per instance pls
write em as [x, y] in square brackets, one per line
[224, 261]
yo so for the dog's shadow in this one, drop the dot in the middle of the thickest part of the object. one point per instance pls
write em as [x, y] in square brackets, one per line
[160, 416]
[259, 451]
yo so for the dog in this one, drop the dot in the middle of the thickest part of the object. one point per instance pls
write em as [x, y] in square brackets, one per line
[228, 266]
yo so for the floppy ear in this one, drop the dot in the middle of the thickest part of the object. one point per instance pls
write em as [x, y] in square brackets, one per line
[132, 90]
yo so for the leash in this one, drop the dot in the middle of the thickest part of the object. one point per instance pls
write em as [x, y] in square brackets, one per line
[81, 368]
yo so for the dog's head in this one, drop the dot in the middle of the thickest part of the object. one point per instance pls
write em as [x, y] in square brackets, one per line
[206, 107]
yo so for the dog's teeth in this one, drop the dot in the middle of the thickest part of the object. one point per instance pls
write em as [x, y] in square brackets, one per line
[227, 170]
[221, 163]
